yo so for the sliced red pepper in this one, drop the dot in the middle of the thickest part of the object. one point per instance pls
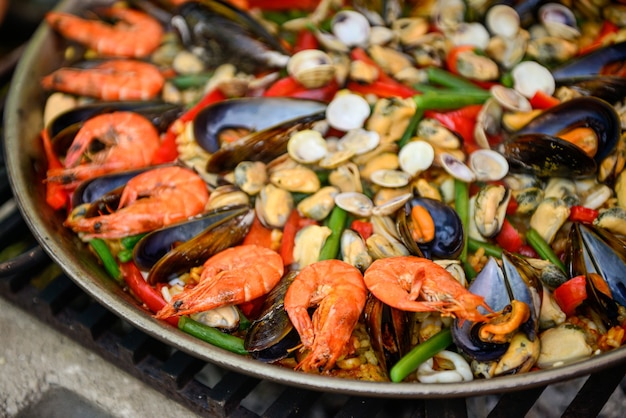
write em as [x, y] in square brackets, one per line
[259, 235]
[289, 87]
[582, 214]
[57, 196]
[511, 208]
[528, 251]
[571, 294]
[508, 237]
[542, 100]
[607, 30]
[461, 121]
[364, 228]
[305, 40]
[453, 57]
[295, 222]
[146, 294]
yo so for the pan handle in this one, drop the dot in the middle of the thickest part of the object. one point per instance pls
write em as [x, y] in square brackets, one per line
[24, 262]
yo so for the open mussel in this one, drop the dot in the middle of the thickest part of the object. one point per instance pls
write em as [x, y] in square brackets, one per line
[90, 191]
[447, 240]
[539, 147]
[509, 290]
[267, 134]
[601, 257]
[227, 34]
[271, 336]
[595, 63]
[205, 236]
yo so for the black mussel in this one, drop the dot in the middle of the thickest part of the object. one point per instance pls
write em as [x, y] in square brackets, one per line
[581, 112]
[250, 115]
[389, 331]
[594, 251]
[228, 35]
[448, 240]
[155, 245]
[264, 146]
[216, 237]
[546, 156]
[596, 62]
[609, 88]
[500, 286]
[271, 336]
[64, 127]
[96, 188]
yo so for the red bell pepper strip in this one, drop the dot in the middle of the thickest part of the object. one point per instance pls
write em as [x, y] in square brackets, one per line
[582, 214]
[508, 237]
[364, 228]
[453, 57]
[461, 121]
[607, 30]
[305, 39]
[289, 87]
[295, 222]
[168, 151]
[571, 294]
[259, 235]
[57, 196]
[146, 294]
[542, 100]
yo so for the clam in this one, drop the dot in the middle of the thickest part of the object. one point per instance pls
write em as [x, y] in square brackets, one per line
[226, 318]
[390, 178]
[473, 33]
[477, 67]
[530, 77]
[308, 244]
[562, 344]
[226, 196]
[416, 156]
[549, 217]
[351, 28]
[510, 99]
[355, 203]
[312, 68]
[488, 165]
[273, 206]
[250, 176]
[503, 20]
[392, 205]
[353, 250]
[456, 168]
[390, 118]
[319, 205]
[307, 146]
[347, 111]
[300, 179]
[410, 30]
[359, 141]
[488, 126]
[346, 178]
[559, 20]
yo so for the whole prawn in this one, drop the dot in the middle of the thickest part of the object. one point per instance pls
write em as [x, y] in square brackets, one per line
[134, 35]
[117, 79]
[150, 200]
[401, 281]
[338, 291]
[130, 142]
[233, 276]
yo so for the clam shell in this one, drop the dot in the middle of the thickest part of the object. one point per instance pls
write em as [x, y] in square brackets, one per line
[355, 203]
[312, 68]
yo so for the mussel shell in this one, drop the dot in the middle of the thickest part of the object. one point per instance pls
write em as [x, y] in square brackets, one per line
[213, 239]
[609, 88]
[448, 241]
[546, 156]
[253, 114]
[64, 127]
[271, 336]
[264, 146]
[590, 112]
[154, 245]
[227, 33]
[592, 63]
[593, 250]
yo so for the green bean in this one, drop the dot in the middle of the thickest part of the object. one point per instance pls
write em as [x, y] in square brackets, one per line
[447, 79]
[125, 255]
[108, 261]
[461, 205]
[450, 100]
[132, 240]
[212, 335]
[188, 81]
[411, 128]
[336, 222]
[543, 248]
[490, 249]
[419, 354]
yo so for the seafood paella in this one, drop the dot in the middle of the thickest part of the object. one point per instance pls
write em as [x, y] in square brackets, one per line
[385, 191]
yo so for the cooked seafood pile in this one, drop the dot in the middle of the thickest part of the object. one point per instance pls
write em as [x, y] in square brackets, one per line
[392, 191]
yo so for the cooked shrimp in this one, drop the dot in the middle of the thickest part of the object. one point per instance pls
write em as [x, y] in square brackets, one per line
[400, 281]
[129, 139]
[134, 35]
[233, 276]
[338, 291]
[149, 201]
[110, 80]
